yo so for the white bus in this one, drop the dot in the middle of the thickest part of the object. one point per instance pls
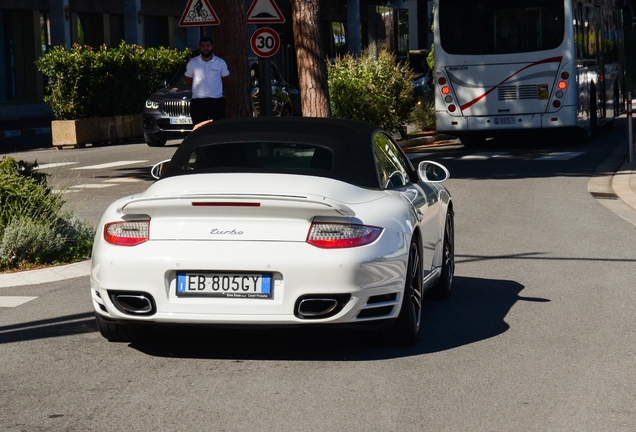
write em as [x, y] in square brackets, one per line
[504, 65]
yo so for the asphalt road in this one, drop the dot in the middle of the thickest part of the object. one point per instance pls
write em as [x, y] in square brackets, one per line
[538, 334]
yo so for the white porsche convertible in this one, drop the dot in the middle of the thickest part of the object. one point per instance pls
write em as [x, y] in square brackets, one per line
[277, 221]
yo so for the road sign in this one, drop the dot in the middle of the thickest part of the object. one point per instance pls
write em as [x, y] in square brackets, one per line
[265, 42]
[199, 13]
[264, 12]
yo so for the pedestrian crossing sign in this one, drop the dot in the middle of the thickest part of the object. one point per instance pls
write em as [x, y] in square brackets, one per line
[199, 13]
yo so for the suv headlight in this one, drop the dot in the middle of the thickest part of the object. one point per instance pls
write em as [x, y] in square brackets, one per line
[150, 104]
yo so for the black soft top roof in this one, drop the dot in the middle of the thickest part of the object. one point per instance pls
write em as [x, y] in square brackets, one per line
[349, 140]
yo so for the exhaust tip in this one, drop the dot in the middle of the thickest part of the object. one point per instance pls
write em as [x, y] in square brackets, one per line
[320, 306]
[133, 303]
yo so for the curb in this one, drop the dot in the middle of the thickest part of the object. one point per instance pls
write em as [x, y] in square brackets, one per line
[50, 274]
[624, 182]
[427, 140]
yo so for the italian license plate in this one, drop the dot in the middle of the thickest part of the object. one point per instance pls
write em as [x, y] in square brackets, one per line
[229, 285]
[181, 120]
[505, 120]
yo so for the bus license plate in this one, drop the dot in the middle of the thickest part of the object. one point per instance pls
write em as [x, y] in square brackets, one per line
[505, 120]
[228, 285]
[181, 120]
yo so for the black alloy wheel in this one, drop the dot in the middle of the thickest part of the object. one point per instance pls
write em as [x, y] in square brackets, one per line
[406, 329]
[442, 288]
[159, 141]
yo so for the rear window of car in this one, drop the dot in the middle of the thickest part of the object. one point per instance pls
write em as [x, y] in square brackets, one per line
[260, 157]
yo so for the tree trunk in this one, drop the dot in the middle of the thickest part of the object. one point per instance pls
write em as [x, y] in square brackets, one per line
[230, 43]
[312, 66]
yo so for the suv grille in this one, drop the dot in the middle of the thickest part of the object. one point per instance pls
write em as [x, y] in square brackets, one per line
[176, 108]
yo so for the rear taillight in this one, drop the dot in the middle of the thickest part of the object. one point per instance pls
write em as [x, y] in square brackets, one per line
[127, 233]
[333, 235]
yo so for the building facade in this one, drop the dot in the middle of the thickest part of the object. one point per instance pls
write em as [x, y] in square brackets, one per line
[28, 28]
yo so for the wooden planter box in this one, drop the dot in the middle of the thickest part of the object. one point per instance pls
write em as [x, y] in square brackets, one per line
[96, 130]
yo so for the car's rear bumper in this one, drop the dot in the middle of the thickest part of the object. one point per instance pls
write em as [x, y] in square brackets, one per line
[370, 279]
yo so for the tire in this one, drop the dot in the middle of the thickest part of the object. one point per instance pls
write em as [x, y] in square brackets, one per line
[286, 112]
[155, 142]
[442, 288]
[593, 114]
[118, 332]
[406, 328]
[472, 141]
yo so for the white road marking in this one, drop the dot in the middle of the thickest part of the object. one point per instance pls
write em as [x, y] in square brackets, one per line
[123, 180]
[109, 165]
[483, 155]
[92, 186]
[65, 191]
[55, 165]
[560, 156]
[14, 301]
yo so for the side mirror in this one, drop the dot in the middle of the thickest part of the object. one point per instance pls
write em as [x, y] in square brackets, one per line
[157, 171]
[432, 172]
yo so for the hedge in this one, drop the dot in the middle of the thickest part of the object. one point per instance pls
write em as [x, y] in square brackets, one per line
[86, 82]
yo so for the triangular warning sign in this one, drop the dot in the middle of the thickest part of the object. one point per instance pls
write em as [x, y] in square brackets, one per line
[199, 13]
[264, 12]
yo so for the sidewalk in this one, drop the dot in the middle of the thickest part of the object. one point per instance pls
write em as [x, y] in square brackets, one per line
[612, 187]
[50, 274]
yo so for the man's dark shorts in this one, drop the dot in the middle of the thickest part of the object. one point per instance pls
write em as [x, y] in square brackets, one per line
[206, 109]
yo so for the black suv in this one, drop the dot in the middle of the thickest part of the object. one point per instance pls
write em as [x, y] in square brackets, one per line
[167, 111]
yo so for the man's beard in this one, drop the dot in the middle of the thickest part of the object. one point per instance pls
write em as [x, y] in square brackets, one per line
[207, 55]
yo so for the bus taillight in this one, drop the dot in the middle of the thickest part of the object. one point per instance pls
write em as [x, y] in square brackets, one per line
[563, 85]
[441, 81]
[445, 90]
[565, 75]
[451, 108]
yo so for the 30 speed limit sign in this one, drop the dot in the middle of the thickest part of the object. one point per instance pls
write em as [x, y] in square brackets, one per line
[265, 42]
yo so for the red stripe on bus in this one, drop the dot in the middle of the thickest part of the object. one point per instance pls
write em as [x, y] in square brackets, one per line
[478, 98]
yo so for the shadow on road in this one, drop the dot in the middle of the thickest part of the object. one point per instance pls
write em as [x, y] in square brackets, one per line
[475, 311]
[48, 328]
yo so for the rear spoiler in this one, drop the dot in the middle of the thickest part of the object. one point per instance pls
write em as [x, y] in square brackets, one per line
[142, 205]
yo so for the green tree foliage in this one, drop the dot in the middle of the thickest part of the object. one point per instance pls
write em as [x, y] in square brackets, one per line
[377, 91]
[34, 229]
[84, 82]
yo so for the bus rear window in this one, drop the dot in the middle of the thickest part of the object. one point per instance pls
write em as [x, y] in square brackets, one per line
[472, 27]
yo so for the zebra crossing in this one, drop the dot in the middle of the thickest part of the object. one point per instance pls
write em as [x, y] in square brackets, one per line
[554, 156]
[14, 301]
[93, 185]
[111, 182]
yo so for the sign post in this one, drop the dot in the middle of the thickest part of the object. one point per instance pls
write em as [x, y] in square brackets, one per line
[265, 42]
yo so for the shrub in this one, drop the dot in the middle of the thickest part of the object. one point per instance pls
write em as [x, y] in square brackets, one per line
[34, 229]
[84, 82]
[376, 91]
[423, 115]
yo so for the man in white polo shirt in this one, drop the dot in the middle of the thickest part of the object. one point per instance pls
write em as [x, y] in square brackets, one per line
[207, 74]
